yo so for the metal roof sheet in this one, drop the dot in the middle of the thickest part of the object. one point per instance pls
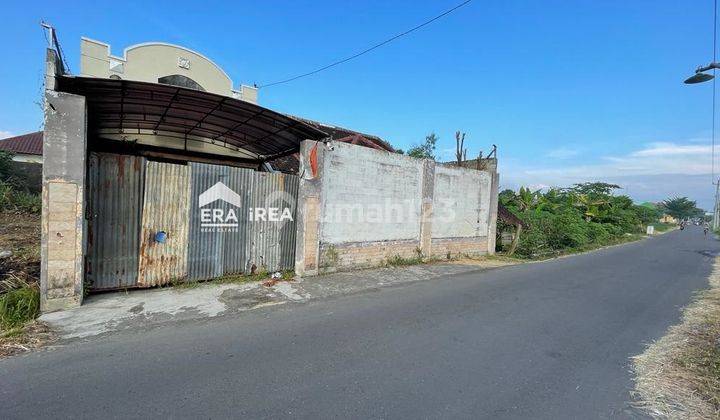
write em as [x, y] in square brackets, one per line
[128, 106]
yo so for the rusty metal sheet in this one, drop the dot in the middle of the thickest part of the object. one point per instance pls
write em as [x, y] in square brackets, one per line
[272, 242]
[166, 209]
[114, 208]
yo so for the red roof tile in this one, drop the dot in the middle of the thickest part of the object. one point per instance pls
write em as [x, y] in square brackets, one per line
[28, 144]
[335, 132]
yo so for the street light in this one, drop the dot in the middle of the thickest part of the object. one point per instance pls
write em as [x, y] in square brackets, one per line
[699, 76]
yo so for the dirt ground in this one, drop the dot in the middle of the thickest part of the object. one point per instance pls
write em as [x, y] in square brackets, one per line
[20, 234]
[32, 336]
[487, 261]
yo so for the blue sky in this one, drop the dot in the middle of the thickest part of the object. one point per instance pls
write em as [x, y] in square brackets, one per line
[570, 91]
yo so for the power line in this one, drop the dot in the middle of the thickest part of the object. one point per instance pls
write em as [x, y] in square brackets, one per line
[387, 41]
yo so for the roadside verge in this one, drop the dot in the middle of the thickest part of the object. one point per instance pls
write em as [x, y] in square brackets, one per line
[678, 376]
[147, 308]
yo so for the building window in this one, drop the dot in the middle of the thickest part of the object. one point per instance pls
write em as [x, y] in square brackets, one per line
[182, 81]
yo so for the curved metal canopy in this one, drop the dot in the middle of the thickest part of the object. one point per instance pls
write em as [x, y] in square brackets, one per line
[133, 107]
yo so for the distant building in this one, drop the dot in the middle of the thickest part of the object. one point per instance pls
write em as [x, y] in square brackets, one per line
[25, 148]
[666, 218]
[27, 158]
[290, 164]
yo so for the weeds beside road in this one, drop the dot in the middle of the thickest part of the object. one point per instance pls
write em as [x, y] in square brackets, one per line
[583, 217]
[664, 227]
[19, 282]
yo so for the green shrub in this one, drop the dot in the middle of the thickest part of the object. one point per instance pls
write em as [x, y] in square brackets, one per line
[577, 218]
[397, 260]
[532, 242]
[598, 233]
[6, 195]
[568, 230]
[12, 199]
[18, 306]
[662, 227]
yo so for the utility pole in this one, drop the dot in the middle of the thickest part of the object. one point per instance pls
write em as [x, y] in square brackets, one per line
[699, 77]
[716, 210]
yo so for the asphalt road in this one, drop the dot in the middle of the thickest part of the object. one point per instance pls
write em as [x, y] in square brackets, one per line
[545, 340]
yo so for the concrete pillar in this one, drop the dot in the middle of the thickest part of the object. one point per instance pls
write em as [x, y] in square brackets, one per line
[63, 203]
[309, 208]
[426, 209]
[492, 214]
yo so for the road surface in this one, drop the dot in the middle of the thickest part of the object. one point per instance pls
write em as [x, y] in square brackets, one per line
[544, 340]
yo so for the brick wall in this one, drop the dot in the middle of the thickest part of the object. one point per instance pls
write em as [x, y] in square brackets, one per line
[63, 241]
[457, 247]
[364, 254]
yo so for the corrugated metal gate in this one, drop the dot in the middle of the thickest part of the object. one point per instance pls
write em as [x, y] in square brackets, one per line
[222, 242]
[273, 243]
[114, 209]
[205, 251]
[167, 193]
[210, 230]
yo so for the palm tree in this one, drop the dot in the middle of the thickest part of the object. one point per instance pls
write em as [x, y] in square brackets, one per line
[680, 208]
[526, 199]
[591, 207]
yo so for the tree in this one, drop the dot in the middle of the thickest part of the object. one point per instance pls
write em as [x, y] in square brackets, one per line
[8, 173]
[526, 198]
[647, 214]
[5, 165]
[460, 150]
[507, 197]
[681, 208]
[591, 205]
[425, 150]
[595, 188]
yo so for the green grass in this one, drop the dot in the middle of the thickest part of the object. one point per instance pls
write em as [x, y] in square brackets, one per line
[398, 261]
[419, 258]
[15, 200]
[628, 237]
[18, 306]
[662, 227]
[13, 332]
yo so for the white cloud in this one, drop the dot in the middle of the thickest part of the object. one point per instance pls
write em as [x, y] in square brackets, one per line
[673, 149]
[653, 159]
[5, 134]
[535, 187]
[562, 153]
[653, 172]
